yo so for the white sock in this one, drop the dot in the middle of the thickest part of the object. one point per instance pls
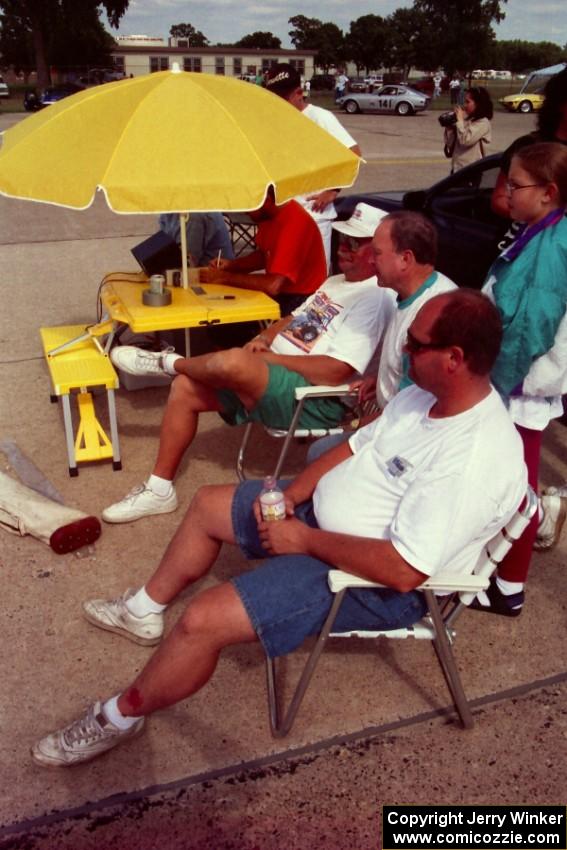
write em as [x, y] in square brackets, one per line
[168, 360]
[140, 605]
[159, 486]
[509, 587]
[112, 712]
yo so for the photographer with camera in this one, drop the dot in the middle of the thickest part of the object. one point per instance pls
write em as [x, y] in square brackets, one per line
[467, 128]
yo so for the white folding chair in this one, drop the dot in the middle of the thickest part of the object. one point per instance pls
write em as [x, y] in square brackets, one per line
[458, 591]
[293, 432]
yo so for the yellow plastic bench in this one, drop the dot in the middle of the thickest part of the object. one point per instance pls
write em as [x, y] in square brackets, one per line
[80, 367]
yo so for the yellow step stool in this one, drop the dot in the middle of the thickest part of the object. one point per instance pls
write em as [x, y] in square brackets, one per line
[79, 367]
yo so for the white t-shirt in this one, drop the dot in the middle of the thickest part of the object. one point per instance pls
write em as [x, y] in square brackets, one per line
[343, 319]
[329, 122]
[439, 489]
[391, 368]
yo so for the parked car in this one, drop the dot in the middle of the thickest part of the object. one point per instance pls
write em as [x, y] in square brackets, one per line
[34, 101]
[4, 90]
[357, 84]
[426, 85]
[400, 99]
[374, 81]
[459, 205]
[322, 82]
[522, 102]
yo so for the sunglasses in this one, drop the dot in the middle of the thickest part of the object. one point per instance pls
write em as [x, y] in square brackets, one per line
[413, 345]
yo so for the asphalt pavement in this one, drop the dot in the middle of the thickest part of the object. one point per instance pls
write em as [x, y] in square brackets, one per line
[206, 774]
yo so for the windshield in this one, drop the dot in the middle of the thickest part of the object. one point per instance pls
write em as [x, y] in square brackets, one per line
[535, 83]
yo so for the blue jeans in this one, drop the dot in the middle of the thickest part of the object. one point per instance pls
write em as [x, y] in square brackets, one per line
[288, 598]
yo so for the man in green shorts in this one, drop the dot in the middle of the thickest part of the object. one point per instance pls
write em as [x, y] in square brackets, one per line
[329, 339]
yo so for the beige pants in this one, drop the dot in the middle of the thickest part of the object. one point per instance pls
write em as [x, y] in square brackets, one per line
[23, 511]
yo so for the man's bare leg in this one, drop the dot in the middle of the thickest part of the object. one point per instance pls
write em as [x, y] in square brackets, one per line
[195, 546]
[187, 658]
[193, 392]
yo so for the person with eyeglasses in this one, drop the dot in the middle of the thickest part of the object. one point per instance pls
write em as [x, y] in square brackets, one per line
[466, 140]
[418, 492]
[528, 284]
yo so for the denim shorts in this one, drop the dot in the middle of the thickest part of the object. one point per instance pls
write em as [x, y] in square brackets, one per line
[276, 407]
[287, 598]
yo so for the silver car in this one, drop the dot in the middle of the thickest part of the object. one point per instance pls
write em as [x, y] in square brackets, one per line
[400, 99]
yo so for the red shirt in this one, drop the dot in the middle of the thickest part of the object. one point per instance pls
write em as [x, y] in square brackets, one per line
[292, 246]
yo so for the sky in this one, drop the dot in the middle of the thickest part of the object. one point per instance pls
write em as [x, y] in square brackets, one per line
[227, 21]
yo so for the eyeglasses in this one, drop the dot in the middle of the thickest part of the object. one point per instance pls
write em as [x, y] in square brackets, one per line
[413, 345]
[352, 243]
[511, 186]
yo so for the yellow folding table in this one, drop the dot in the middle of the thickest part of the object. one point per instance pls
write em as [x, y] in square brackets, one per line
[77, 361]
[198, 306]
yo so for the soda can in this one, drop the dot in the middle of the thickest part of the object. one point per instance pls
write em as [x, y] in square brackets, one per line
[157, 283]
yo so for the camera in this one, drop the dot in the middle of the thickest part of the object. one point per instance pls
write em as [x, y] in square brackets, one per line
[447, 119]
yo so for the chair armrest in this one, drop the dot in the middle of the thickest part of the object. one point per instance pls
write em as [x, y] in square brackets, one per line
[316, 392]
[449, 583]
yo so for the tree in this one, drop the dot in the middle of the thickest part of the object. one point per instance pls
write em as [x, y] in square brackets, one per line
[312, 34]
[195, 38]
[408, 37]
[519, 56]
[44, 20]
[305, 33]
[261, 40]
[365, 42]
[460, 34]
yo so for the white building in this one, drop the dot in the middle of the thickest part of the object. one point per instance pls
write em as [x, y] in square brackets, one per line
[139, 54]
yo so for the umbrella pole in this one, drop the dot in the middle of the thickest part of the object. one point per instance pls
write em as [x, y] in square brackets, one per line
[183, 219]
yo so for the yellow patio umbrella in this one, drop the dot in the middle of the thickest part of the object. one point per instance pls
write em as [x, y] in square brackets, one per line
[171, 142]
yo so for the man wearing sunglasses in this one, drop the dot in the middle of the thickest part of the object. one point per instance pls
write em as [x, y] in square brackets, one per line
[420, 490]
[329, 339]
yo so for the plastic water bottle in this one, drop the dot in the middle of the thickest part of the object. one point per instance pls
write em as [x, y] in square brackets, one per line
[272, 503]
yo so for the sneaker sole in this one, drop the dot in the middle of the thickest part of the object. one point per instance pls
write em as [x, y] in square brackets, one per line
[119, 521]
[117, 630]
[44, 761]
[560, 522]
[70, 537]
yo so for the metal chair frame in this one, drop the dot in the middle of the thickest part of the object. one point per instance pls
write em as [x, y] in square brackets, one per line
[437, 625]
[293, 432]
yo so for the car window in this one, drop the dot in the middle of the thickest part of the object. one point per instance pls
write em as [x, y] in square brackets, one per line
[388, 90]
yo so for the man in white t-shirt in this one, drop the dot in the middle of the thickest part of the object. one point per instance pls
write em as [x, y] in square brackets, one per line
[420, 490]
[284, 81]
[329, 339]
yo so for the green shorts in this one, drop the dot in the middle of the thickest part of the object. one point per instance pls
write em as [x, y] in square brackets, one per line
[275, 408]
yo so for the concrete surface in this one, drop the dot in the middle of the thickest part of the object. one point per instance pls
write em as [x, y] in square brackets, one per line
[216, 747]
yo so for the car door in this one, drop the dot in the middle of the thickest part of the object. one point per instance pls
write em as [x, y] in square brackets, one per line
[383, 99]
[469, 232]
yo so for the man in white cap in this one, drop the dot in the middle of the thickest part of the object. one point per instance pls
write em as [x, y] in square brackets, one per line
[329, 339]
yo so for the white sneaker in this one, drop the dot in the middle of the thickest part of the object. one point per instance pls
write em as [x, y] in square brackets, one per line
[113, 616]
[554, 508]
[140, 502]
[83, 740]
[138, 361]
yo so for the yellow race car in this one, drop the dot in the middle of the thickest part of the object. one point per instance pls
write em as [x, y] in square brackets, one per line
[522, 102]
